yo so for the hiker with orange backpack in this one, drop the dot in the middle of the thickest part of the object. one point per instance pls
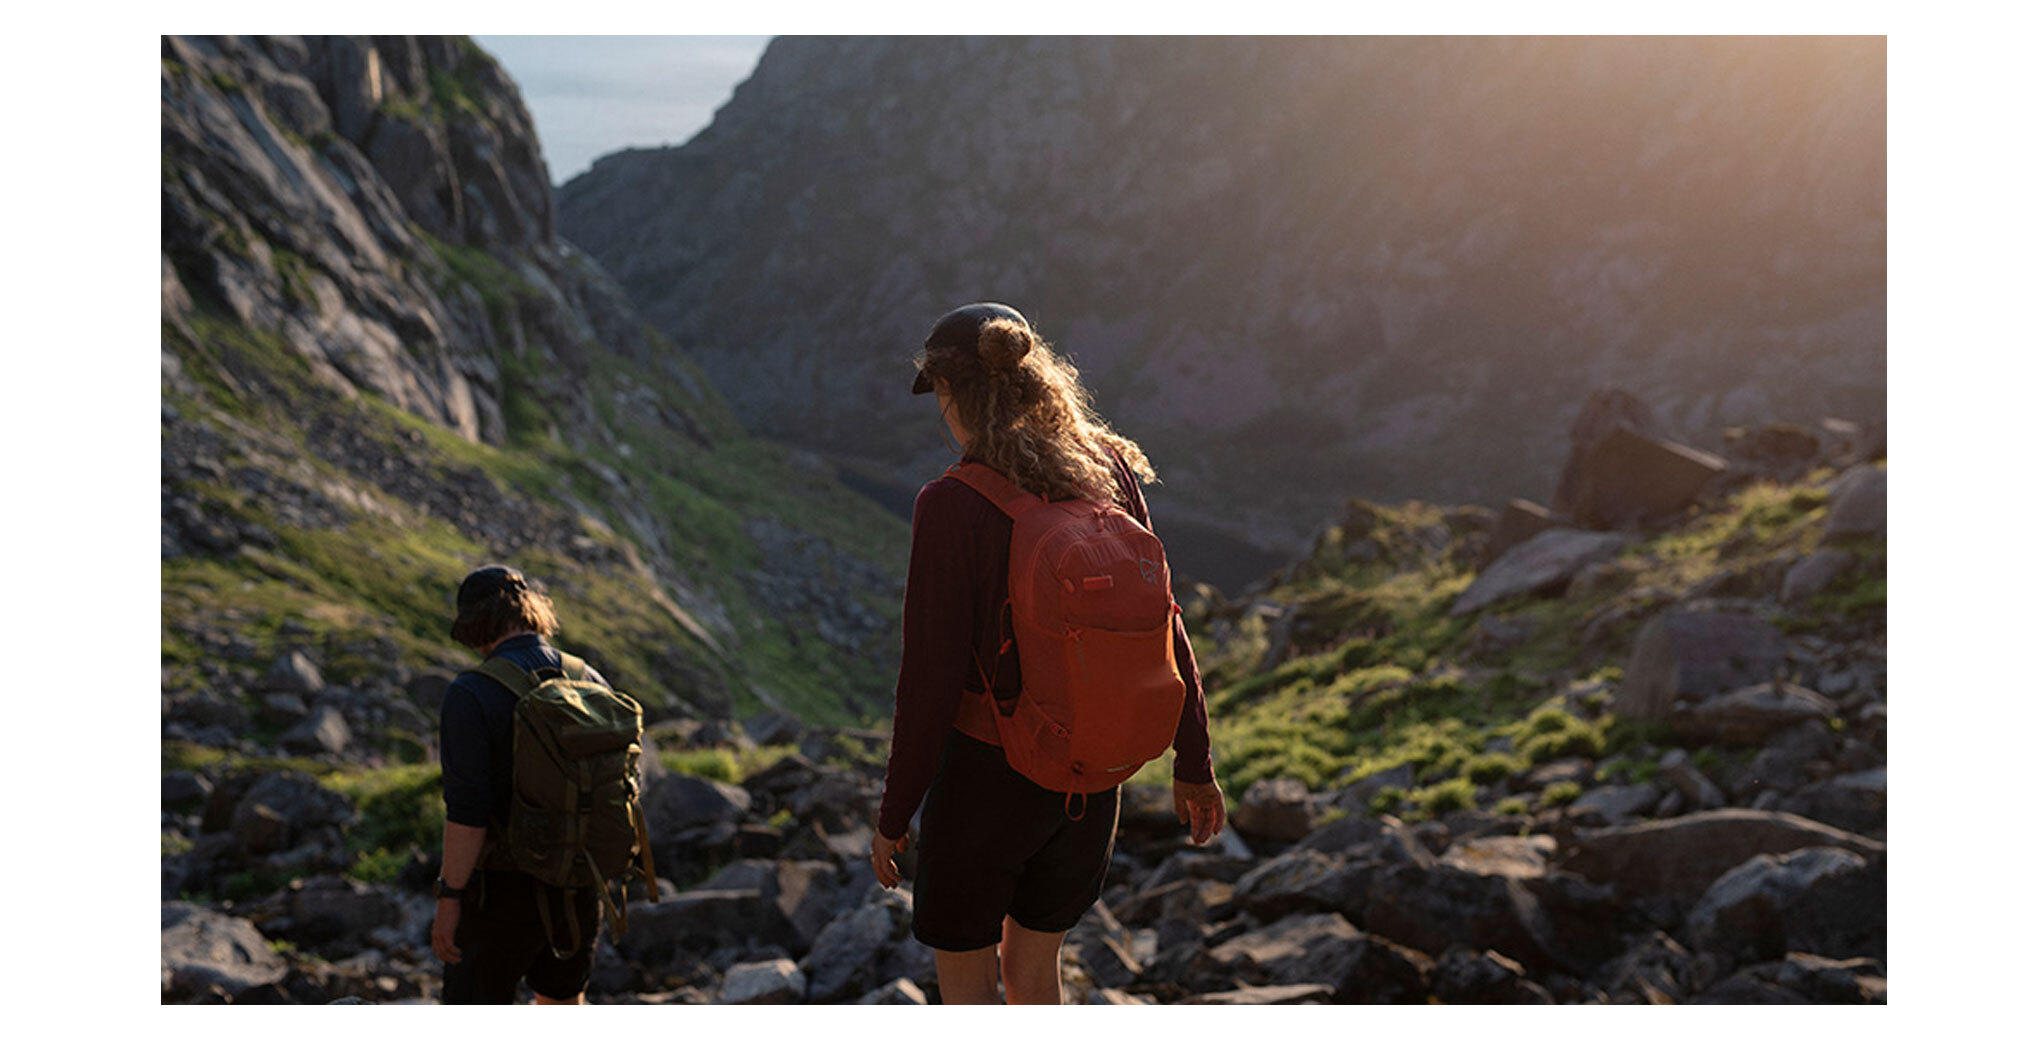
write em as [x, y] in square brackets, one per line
[1043, 663]
[539, 768]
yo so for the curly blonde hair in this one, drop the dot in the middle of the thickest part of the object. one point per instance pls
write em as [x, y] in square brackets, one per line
[1029, 416]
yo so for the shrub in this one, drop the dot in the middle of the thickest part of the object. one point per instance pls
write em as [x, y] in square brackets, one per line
[1560, 794]
[1445, 797]
[717, 764]
[1511, 807]
[1489, 768]
[1387, 801]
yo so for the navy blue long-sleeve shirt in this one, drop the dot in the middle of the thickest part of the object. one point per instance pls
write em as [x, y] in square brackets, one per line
[475, 735]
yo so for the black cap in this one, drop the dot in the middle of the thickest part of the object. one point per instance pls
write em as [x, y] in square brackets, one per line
[958, 330]
[486, 581]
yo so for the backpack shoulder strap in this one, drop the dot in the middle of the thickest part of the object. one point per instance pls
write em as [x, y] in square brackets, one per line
[508, 674]
[574, 668]
[1012, 499]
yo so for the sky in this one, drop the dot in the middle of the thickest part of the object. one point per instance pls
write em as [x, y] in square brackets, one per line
[591, 95]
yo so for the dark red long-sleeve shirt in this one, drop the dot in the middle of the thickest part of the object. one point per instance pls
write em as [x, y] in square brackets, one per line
[957, 582]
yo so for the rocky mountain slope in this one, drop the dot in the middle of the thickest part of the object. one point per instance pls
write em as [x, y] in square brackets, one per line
[382, 366]
[1635, 764]
[1297, 269]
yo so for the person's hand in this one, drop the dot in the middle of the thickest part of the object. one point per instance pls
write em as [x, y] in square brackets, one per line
[446, 917]
[884, 848]
[1200, 807]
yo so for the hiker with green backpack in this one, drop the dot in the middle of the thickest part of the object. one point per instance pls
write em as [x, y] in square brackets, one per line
[1043, 663]
[539, 767]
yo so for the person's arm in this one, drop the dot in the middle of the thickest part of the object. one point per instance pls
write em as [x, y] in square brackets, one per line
[936, 649]
[465, 785]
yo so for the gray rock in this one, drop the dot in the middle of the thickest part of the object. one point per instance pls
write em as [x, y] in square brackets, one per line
[1813, 573]
[1110, 995]
[777, 981]
[1464, 976]
[902, 991]
[324, 731]
[696, 921]
[185, 789]
[1320, 947]
[1618, 802]
[1277, 809]
[1279, 886]
[1431, 909]
[676, 802]
[1748, 716]
[1856, 801]
[1520, 857]
[282, 708]
[1695, 656]
[1741, 915]
[1681, 857]
[1695, 787]
[293, 672]
[1859, 503]
[1307, 993]
[331, 909]
[204, 951]
[1544, 562]
[1626, 475]
[1355, 797]
[1803, 978]
[282, 810]
[848, 953]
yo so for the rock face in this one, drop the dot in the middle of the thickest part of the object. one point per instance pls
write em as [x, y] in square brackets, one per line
[934, 171]
[1625, 477]
[352, 223]
[1684, 855]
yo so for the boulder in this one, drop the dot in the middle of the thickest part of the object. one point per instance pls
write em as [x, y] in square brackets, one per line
[1859, 504]
[330, 910]
[1383, 972]
[1308, 993]
[798, 898]
[293, 672]
[1520, 521]
[848, 953]
[1279, 886]
[1321, 947]
[1803, 978]
[1431, 909]
[694, 922]
[1520, 857]
[1743, 914]
[1747, 716]
[1695, 655]
[278, 811]
[1616, 803]
[206, 953]
[1346, 833]
[324, 731]
[1689, 781]
[184, 790]
[1625, 478]
[1681, 857]
[1543, 564]
[1110, 995]
[1813, 573]
[1464, 976]
[1276, 809]
[777, 981]
[1777, 449]
[677, 802]
[1653, 969]
[1857, 801]
[902, 991]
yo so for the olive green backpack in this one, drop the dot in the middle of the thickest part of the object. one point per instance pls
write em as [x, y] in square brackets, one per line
[576, 819]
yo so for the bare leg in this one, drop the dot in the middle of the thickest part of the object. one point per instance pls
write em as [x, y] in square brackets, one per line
[1029, 964]
[541, 998]
[969, 976]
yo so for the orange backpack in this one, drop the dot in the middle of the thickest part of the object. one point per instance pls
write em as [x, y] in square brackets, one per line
[1090, 599]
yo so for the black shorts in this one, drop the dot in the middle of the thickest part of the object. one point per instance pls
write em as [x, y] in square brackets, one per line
[501, 941]
[995, 845]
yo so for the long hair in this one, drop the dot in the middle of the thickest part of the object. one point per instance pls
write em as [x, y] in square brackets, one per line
[1030, 418]
[481, 623]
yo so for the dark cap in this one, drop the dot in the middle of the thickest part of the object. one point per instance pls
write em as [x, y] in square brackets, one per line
[484, 582]
[958, 330]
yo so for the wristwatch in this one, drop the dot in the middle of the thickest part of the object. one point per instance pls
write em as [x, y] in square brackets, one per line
[443, 890]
